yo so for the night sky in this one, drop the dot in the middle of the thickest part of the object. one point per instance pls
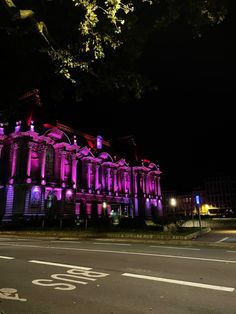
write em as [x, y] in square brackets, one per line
[186, 124]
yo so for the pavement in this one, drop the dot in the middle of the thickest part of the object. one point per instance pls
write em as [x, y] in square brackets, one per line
[212, 238]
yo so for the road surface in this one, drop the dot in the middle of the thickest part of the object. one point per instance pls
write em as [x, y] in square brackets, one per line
[70, 277]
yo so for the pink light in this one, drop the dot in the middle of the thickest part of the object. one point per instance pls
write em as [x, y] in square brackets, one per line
[43, 182]
[28, 180]
[32, 126]
[69, 193]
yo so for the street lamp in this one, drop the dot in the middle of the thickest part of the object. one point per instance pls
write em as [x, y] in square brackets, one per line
[173, 203]
[104, 206]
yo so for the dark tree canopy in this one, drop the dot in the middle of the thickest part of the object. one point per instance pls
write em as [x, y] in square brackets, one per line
[91, 46]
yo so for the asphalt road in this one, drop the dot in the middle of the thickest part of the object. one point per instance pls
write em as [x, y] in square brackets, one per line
[220, 235]
[71, 277]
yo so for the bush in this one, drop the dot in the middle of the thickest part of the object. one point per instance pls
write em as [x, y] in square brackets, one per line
[132, 223]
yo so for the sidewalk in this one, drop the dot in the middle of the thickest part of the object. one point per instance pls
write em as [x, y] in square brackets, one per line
[194, 239]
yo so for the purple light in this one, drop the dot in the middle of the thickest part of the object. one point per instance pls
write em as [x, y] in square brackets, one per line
[1, 129]
[197, 199]
[17, 127]
[36, 189]
[99, 142]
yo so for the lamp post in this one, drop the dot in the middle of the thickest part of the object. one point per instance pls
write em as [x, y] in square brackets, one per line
[173, 203]
[104, 207]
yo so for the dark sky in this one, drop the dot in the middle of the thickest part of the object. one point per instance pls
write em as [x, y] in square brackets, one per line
[187, 125]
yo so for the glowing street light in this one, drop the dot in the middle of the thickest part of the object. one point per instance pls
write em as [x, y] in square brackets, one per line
[173, 204]
[104, 206]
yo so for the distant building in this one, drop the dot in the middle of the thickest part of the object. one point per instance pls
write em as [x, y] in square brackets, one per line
[54, 174]
[220, 192]
[217, 197]
[175, 204]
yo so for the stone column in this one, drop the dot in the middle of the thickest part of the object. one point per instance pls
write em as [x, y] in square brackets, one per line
[109, 179]
[30, 147]
[115, 187]
[43, 163]
[89, 167]
[97, 185]
[125, 181]
[144, 183]
[155, 185]
[158, 186]
[103, 179]
[135, 176]
[62, 167]
[74, 172]
[148, 184]
[13, 163]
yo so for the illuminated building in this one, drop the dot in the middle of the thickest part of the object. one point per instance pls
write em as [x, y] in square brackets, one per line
[50, 174]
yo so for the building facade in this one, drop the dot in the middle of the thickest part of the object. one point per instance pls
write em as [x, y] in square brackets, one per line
[51, 175]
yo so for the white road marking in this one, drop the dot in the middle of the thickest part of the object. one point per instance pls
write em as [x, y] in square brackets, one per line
[20, 245]
[174, 247]
[13, 239]
[222, 240]
[10, 294]
[59, 265]
[109, 243]
[71, 276]
[181, 282]
[7, 257]
[231, 251]
[148, 254]
[50, 283]
[64, 241]
[132, 253]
